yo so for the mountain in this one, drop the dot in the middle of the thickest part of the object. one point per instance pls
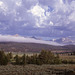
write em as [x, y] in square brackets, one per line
[65, 41]
[36, 38]
[32, 47]
[21, 39]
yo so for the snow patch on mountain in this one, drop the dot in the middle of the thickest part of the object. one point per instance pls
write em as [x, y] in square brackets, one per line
[65, 41]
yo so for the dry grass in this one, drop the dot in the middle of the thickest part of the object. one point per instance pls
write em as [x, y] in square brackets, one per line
[66, 57]
[36, 70]
[22, 53]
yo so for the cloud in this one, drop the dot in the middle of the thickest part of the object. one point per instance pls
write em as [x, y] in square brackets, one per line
[39, 13]
[29, 3]
[17, 38]
[37, 17]
[19, 3]
[3, 7]
[72, 16]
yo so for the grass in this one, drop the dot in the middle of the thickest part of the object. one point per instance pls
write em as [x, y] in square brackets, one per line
[36, 70]
[62, 69]
[21, 53]
[66, 57]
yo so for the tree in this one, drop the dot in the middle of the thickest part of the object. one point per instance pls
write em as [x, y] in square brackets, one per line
[24, 59]
[17, 60]
[33, 59]
[3, 58]
[42, 57]
[28, 58]
[10, 55]
[57, 60]
[46, 57]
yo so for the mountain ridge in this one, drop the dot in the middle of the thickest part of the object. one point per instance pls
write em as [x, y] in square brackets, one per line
[32, 47]
[65, 41]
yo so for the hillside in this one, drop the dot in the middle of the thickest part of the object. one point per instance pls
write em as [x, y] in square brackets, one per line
[32, 47]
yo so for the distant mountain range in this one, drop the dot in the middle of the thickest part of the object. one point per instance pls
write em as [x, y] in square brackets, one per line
[36, 38]
[18, 43]
[33, 39]
[21, 39]
[60, 41]
[65, 41]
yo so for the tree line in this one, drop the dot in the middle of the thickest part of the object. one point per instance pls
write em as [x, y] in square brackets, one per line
[44, 57]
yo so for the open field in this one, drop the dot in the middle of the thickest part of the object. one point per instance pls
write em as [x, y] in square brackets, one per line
[66, 57]
[38, 70]
[22, 53]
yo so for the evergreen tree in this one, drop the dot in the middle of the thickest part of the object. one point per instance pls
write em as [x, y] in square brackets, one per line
[28, 59]
[10, 55]
[24, 59]
[57, 60]
[33, 59]
[46, 57]
[3, 58]
[42, 57]
[17, 60]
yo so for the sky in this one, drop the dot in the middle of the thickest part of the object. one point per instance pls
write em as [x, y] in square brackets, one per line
[43, 18]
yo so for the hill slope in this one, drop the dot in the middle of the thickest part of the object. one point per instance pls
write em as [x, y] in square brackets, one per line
[32, 47]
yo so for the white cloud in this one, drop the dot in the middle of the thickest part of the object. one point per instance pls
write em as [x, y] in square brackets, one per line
[3, 6]
[51, 23]
[60, 6]
[72, 5]
[40, 15]
[52, 15]
[61, 1]
[17, 38]
[18, 3]
[37, 11]
[60, 15]
[48, 14]
[63, 13]
[1, 3]
[72, 16]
